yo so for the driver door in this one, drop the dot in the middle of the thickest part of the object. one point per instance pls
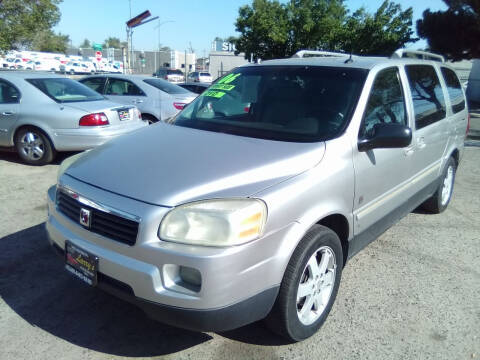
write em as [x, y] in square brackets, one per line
[382, 176]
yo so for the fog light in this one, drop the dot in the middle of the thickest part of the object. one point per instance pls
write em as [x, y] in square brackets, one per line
[182, 279]
[191, 276]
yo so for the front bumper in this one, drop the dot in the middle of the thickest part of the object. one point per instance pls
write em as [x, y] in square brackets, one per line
[90, 137]
[239, 284]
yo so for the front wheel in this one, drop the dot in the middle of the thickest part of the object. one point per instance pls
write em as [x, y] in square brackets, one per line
[440, 200]
[34, 147]
[309, 286]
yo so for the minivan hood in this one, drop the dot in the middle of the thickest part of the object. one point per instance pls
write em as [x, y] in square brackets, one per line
[168, 165]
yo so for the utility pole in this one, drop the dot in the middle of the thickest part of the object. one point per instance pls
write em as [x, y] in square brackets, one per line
[159, 44]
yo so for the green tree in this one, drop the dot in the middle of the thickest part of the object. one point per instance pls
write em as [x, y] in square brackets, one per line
[112, 42]
[264, 28]
[387, 30]
[48, 41]
[454, 33]
[270, 29]
[21, 20]
[86, 44]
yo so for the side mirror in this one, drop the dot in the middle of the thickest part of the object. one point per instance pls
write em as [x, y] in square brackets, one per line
[387, 136]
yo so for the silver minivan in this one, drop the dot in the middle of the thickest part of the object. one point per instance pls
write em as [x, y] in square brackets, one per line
[250, 203]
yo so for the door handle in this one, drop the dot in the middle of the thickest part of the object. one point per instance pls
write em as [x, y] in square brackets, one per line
[137, 101]
[409, 150]
[8, 113]
[421, 142]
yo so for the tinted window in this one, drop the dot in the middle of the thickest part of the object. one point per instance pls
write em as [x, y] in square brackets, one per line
[166, 86]
[8, 93]
[204, 74]
[454, 90]
[122, 87]
[175, 72]
[96, 84]
[386, 104]
[427, 95]
[65, 90]
[286, 103]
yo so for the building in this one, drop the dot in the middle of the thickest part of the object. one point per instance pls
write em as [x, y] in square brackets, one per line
[222, 58]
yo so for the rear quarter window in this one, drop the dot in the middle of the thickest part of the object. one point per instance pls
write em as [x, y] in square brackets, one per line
[427, 95]
[454, 90]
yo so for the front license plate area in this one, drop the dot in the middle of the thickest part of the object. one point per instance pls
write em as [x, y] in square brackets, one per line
[81, 263]
[124, 115]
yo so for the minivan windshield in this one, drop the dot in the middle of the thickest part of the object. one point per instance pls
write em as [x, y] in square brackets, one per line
[285, 103]
[65, 90]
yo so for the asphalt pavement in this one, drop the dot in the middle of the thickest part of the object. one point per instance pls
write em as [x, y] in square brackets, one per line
[414, 293]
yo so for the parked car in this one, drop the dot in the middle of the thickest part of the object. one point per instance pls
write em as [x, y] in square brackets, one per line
[171, 75]
[74, 67]
[195, 87]
[88, 67]
[41, 114]
[157, 99]
[200, 76]
[47, 65]
[250, 206]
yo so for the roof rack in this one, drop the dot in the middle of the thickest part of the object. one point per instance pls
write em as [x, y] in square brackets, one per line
[417, 54]
[318, 53]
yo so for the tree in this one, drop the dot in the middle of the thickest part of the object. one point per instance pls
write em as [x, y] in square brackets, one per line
[112, 42]
[270, 29]
[382, 33]
[86, 44]
[21, 20]
[264, 29]
[48, 41]
[454, 33]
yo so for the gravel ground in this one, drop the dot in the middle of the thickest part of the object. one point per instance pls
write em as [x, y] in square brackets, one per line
[412, 294]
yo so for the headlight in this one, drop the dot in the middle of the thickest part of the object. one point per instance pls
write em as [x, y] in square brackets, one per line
[65, 164]
[215, 222]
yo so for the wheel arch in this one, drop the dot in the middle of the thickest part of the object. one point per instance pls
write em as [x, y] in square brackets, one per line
[338, 223]
[23, 126]
[147, 114]
[455, 154]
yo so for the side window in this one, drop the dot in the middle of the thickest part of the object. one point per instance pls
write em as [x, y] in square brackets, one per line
[96, 84]
[8, 93]
[454, 90]
[427, 95]
[386, 104]
[122, 87]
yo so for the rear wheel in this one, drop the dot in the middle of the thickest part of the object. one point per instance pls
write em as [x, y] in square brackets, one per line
[34, 147]
[309, 286]
[440, 200]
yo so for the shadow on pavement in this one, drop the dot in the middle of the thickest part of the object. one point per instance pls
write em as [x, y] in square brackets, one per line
[13, 157]
[35, 286]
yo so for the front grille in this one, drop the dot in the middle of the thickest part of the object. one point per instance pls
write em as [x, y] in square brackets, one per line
[109, 225]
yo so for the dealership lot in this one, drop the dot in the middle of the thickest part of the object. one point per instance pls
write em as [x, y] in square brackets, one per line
[413, 293]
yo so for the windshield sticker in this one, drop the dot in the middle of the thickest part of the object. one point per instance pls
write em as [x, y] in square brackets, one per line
[224, 87]
[212, 93]
[228, 79]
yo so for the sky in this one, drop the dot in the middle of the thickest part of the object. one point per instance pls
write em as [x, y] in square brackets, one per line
[183, 23]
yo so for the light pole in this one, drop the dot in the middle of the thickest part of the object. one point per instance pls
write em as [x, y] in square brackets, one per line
[158, 27]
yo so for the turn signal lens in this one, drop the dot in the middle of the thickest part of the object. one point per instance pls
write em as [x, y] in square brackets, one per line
[98, 119]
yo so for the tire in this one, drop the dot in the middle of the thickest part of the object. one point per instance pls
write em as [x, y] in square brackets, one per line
[151, 119]
[34, 147]
[440, 200]
[299, 318]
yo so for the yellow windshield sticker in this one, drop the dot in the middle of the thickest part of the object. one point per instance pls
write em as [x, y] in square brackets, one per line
[213, 93]
[228, 79]
[224, 87]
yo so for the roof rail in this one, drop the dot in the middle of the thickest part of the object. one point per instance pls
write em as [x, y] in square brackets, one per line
[417, 54]
[318, 53]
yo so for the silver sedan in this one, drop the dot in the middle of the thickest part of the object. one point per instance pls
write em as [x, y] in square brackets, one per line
[156, 98]
[41, 114]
